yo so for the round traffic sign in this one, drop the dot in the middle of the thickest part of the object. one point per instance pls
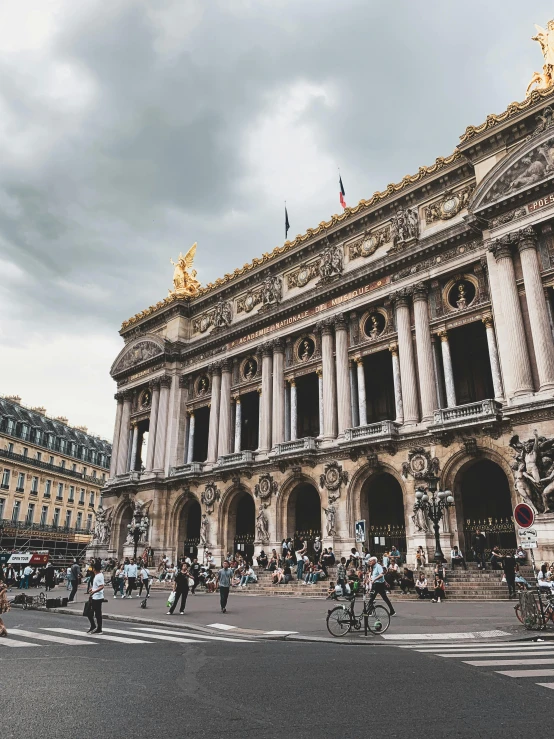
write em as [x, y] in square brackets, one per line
[524, 515]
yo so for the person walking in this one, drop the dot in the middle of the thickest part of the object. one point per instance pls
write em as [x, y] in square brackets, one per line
[24, 582]
[131, 571]
[96, 596]
[144, 581]
[74, 580]
[181, 590]
[378, 586]
[479, 542]
[195, 572]
[49, 577]
[224, 578]
[509, 567]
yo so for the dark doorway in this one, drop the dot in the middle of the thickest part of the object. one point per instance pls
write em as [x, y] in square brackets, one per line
[189, 529]
[201, 432]
[250, 410]
[142, 445]
[123, 530]
[379, 387]
[304, 515]
[487, 505]
[382, 506]
[471, 363]
[307, 406]
[245, 525]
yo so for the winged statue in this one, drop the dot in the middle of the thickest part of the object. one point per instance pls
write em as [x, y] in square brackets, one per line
[184, 277]
[545, 37]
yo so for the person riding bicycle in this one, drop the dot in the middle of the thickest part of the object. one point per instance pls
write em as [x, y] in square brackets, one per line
[377, 585]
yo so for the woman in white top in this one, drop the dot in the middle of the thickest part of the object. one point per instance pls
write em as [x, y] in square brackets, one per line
[543, 579]
[421, 586]
[96, 598]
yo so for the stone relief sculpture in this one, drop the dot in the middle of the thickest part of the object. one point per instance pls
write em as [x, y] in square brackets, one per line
[332, 263]
[204, 531]
[533, 470]
[534, 167]
[223, 314]
[331, 514]
[405, 226]
[210, 496]
[332, 478]
[139, 527]
[420, 464]
[265, 487]
[262, 526]
[102, 525]
[449, 205]
[420, 519]
[271, 290]
[137, 354]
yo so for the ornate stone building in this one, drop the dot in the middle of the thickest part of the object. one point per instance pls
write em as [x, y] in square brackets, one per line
[51, 480]
[408, 338]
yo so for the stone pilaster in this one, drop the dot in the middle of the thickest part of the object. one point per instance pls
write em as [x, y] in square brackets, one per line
[260, 416]
[344, 401]
[319, 373]
[190, 448]
[266, 398]
[399, 406]
[213, 432]
[435, 343]
[493, 358]
[238, 424]
[155, 389]
[224, 437]
[161, 426]
[293, 411]
[134, 446]
[123, 450]
[406, 357]
[352, 369]
[536, 304]
[329, 387]
[116, 433]
[362, 401]
[278, 411]
[511, 309]
[448, 370]
[426, 369]
[178, 424]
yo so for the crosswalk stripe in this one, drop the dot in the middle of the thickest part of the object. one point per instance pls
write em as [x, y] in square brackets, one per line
[9, 642]
[430, 647]
[196, 636]
[547, 685]
[498, 654]
[508, 662]
[103, 637]
[152, 636]
[55, 639]
[498, 648]
[526, 673]
[442, 637]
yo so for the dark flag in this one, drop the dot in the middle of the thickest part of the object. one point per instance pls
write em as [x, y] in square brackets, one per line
[342, 193]
[287, 224]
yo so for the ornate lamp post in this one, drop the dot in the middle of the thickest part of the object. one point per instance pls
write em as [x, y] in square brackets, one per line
[433, 506]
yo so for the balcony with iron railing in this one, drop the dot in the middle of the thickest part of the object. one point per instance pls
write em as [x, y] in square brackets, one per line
[55, 469]
[31, 529]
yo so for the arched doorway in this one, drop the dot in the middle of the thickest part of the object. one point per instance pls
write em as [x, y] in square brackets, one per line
[126, 518]
[242, 525]
[483, 491]
[382, 507]
[189, 529]
[304, 515]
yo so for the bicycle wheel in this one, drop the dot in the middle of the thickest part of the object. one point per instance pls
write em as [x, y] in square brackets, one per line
[339, 622]
[379, 620]
[517, 609]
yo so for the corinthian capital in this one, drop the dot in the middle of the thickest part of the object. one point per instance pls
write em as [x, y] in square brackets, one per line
[401, 297]
[527, 239]
[501, 249]
[420, 291]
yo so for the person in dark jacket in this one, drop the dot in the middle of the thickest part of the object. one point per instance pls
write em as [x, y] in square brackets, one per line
[49, 576]
[181, 589]
[510, 566]
[479, 542]
[74, 576]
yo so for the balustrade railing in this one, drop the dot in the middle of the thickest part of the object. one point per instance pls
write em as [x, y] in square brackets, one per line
[482, 410]
[371, 431]
[236, 458]
[308, 443]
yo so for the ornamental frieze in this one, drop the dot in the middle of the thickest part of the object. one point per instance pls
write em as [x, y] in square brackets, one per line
[444, 256]
[369, 242]
[420, 464]
[404, 227]
[270, 292]
[140, 352]
[534, 167]
[220, 317]
[449, 205]
[210, 496]
[332, 478]
[304, 274]
[265, 487]
[331, 264]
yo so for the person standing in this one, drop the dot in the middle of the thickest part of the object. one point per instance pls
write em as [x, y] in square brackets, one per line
[4, 602]
[224, 579]
[378, 586]
[24, 581]
[195, 572]
[144, 581]
[181, 590]
[74, 580]
[132, 570]
[96, 595]
[300, 562]
[317, 549]
[479, 542]
[49, 578]
[509, 567]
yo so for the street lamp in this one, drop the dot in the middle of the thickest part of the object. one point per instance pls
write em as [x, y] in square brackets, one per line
[433, 506]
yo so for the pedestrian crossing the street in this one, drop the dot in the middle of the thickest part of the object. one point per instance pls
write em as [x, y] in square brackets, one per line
[532, 659]
[51, 637]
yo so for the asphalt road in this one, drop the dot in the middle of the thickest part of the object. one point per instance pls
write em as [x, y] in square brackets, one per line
[231, 688]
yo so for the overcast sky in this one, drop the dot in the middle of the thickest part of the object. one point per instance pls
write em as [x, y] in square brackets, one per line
[131, 128]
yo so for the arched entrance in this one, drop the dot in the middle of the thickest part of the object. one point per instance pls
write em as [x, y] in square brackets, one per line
[242, 525]
[304, 515]
[126, 518]
[189, 529]
[483, 493]
[382, 507]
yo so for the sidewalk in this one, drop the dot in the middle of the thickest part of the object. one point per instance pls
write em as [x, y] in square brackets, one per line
[261, 615]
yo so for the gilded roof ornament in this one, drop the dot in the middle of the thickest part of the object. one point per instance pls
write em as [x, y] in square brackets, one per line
[543, 80]
[185, 284]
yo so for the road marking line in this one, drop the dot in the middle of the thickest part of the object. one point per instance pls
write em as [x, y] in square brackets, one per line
[497, 654]
[526, 673]
[449, 645]
[499, 648]
[509, 662]
[280, 633]
[224, 627]
[197, 636]
[440, 637]
[152, 636]
[547, 685]
[55, 639]
[104, 637]
[9, 642]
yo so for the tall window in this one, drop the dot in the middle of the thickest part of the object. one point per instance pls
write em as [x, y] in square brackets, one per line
[30, 513]
[25, 432]
[59, 495]
[74, 467]
[34, 485]
[25, 452]
[20, 483]
[71, 497]
[50, 460]
[63, 464]
[38, 437]
[89, 522]
[47, 488]
[16, 510]
[10, 448]
[2, 506]
[56, 519]
[6, 479]
[11, 426]
[39, 456]
[84, 471]
[79, 522]
[44, 515]
[82, 495]
[91, 499]
[68, 518]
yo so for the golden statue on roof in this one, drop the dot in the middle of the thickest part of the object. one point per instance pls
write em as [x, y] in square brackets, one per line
[185, 283]
[545, 37]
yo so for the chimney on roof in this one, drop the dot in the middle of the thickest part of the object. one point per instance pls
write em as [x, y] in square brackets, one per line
[61, 419]
[14, 399]
[84, 429]
[39, 409]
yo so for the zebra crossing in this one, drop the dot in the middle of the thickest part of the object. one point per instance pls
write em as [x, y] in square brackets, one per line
[50, 637]
[532, 659]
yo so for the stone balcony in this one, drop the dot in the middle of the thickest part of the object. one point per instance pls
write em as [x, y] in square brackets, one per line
[483, 412]
[298, 446]
[381, 431]
[191, 468]
[236, 458]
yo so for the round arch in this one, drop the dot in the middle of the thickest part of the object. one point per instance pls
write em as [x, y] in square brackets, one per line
[287, 499]
[179, 518]
[358, 483]
[124, 516]
[237, 521]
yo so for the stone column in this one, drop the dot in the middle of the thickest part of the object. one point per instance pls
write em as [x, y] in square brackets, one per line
[536, 304]
[362, 402]
[399, 407]
[155, 388]
[511, 310]
[190, 449]
[319, 373]
[426, 369]
[224, 437]
[238, 424]
[293, 411]
[354, 393]
[213, 432]
[123, 450]
[278, 411]
[260, 416]
[134, 446]
[161, 426]
[448, 371]
[178, 439]
[406, 357]
[266, 398]
[344, 400]
[116, 433]
[493, 357]
[329, 388]
[287, 412]
[436, 363]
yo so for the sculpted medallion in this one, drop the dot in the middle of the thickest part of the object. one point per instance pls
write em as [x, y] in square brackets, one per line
[210, 496]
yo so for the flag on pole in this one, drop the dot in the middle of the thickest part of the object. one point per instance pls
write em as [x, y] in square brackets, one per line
[342, 193]
[287, 224]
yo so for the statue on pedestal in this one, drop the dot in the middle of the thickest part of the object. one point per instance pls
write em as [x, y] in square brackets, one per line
[262, 526]
[331, 514]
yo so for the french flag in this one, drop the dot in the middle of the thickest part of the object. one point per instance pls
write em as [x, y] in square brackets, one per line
[342, 193]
